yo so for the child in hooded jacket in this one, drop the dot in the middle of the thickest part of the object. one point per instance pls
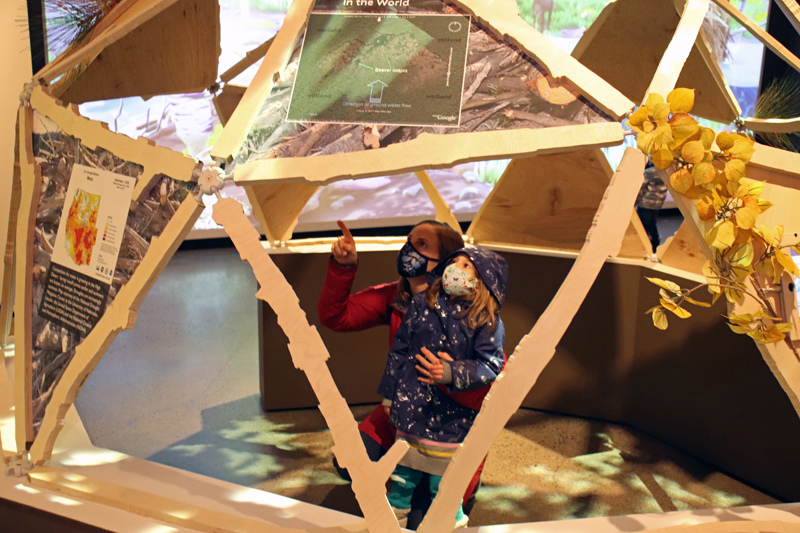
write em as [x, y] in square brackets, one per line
[456, 318]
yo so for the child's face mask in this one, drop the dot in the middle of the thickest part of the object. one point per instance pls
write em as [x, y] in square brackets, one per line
[456, 282]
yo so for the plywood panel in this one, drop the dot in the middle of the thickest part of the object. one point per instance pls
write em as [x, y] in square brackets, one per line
[631, 40]
[549, 202]
[7, 290]
[277, 205]
[154, 242]
[683, 251]
[176, 51]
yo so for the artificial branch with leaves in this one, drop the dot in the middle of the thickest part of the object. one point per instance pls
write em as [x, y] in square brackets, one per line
[713, 177]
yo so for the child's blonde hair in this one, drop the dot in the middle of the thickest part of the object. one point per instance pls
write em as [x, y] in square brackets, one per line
[482, 308]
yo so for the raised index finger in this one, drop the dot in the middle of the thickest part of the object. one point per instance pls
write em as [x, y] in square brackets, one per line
[346, 232]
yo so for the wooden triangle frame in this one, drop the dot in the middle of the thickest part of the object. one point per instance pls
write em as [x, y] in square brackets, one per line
[141, 48]
[121, 314]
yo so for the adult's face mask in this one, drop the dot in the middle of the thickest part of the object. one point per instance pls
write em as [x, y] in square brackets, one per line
[411, 263]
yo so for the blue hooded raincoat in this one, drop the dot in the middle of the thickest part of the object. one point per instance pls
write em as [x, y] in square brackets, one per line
[425, 410]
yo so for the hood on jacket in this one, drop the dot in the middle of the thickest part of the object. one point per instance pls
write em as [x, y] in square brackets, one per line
[491, 267]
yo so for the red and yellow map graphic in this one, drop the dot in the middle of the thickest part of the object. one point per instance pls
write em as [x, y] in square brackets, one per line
[82, 226]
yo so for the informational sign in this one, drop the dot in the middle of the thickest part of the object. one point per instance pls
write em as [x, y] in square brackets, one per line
[86, 248]
[381, 68]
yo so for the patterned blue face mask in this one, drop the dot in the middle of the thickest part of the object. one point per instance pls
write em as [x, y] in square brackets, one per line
[411, 263]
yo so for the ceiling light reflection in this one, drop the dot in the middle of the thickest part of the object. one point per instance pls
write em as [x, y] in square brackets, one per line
[63, 501]
[260, 497]
[25, 488]
[160, 528]
[100, 457]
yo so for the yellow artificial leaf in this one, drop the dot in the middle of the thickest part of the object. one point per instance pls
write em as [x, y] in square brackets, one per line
[764, 232]
[681, 100]
[746, 217]
[743, 256]
[678, 311]
[705, 208]
[738, 329]
[661, 115]
[742, 150]
[755, 188]
[638, 118]
[723, 236]
[703, 173]
[663, 135]
[734, 295]
[796, 248]
[646, 141]
[681, 180]
[742, 320]
[768, 336]
[649, 126]
[711, 275]
[707, 136]
[762, 315]
[765, 268]
[778, 269]
[693, 152]
[664, 294]
[652, 100]
[786, 262]
[743, 236]
[732, 188]
[659, 318]
[763, 205]
[664, 284]
[740, 137]
[667, 304]
[784, 327]
[663, 158]
[696, 302]
[684, 128]
[724, 141]
[715, 295]
[696, 192]
[652, 309]
[734, 169]
[778, 234]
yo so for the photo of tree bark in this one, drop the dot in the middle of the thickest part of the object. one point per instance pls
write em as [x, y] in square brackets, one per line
[55, 153]
[503, 89]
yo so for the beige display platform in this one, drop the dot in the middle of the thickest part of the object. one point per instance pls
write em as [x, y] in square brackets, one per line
[142, 48]
[121, 314]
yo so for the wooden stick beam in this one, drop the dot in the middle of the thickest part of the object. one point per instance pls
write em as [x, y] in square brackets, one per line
[175, 512]
[93, 134]
[773, 125]
[432, 151]
[538, 347]
[7, 296]
[768, 40]
[309, 354]
[251, 58]
[30, 187]
[443, 213]
[791, 9]
[671, 65]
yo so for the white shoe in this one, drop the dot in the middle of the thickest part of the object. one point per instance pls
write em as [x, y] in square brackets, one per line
[464, 522]
[401, 515]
